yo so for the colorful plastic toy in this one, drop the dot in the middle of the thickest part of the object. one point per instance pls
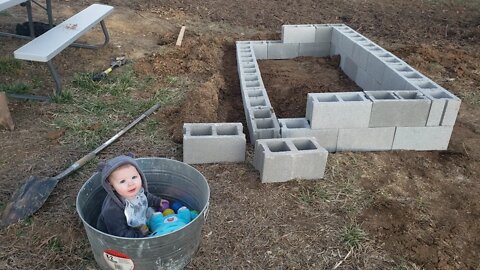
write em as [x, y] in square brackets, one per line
[164, 204]
[176, 205]
[168, 212]
[160, 225]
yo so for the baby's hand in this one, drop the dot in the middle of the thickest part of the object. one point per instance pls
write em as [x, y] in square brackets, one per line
[144, 229]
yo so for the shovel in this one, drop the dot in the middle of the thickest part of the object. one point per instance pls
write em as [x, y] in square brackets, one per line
[33, 194]
[117, 62]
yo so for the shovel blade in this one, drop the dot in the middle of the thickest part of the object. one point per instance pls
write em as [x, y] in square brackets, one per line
[28, 199]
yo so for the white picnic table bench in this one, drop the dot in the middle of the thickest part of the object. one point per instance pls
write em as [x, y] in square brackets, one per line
[45, 47]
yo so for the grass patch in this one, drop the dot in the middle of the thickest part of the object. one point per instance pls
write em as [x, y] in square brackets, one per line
[9, 65]
[401, 266]
[55, 244]
[472, 98]
[95, 111]
[306, 196]
[15, 88]
[406, 265]
[65, 97]
[353, 236]
[27, 221]
[20, 233]
[315, 194]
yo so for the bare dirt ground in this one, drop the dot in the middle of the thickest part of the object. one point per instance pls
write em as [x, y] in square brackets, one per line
[407, 209]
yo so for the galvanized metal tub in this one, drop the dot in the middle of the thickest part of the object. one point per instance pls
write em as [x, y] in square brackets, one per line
[170, 179]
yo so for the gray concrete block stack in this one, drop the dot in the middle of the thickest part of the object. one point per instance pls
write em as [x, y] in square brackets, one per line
[300, 127]
[262, 122]
[338, 110]
[399, 108]
[283, 159]
[213, 143]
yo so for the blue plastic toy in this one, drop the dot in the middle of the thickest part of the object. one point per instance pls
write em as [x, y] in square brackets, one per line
[160, 225]
[176, 205]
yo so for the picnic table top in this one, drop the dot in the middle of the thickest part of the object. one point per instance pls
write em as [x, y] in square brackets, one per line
[4, 4]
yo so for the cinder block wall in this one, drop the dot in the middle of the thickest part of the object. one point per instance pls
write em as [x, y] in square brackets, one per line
[400, 108]
[261, 119]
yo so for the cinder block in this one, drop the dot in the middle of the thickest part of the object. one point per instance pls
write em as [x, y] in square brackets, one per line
[408, 73]
[265, 128]
[304, 33]
[346, 46]
[333, 49]
[338, 110]
[422, 138]
[310, 159]
[248, 81]
[213, 142]
[360, 56]
[299, 127]
[423, 83]
[261, 112]
[398, 108]
[246, 55]
[392, 80]
[323, 33]
[314, 49]
[445, 107]
[279, 50]
[375, 67]
[248, 69]
[254, 96]
[258, 101]
[241, 48]
[350, 68]
[274, 160]
[280, 160]
[335, 42]
[362, 78]
[262, 123]
[260, 49]
[365, 139]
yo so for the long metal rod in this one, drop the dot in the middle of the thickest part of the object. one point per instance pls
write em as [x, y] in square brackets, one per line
[56, 78]
[50, 13]
[30, 19]
[92, 154]
[4, 34]
[28, 97]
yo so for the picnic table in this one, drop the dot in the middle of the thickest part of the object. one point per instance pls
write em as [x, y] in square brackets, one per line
[45, 47]
[5, 4]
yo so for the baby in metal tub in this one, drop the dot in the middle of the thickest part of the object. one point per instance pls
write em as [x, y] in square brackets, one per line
[124, 210]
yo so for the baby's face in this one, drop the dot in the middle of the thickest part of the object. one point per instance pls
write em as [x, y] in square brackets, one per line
[126, 181]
